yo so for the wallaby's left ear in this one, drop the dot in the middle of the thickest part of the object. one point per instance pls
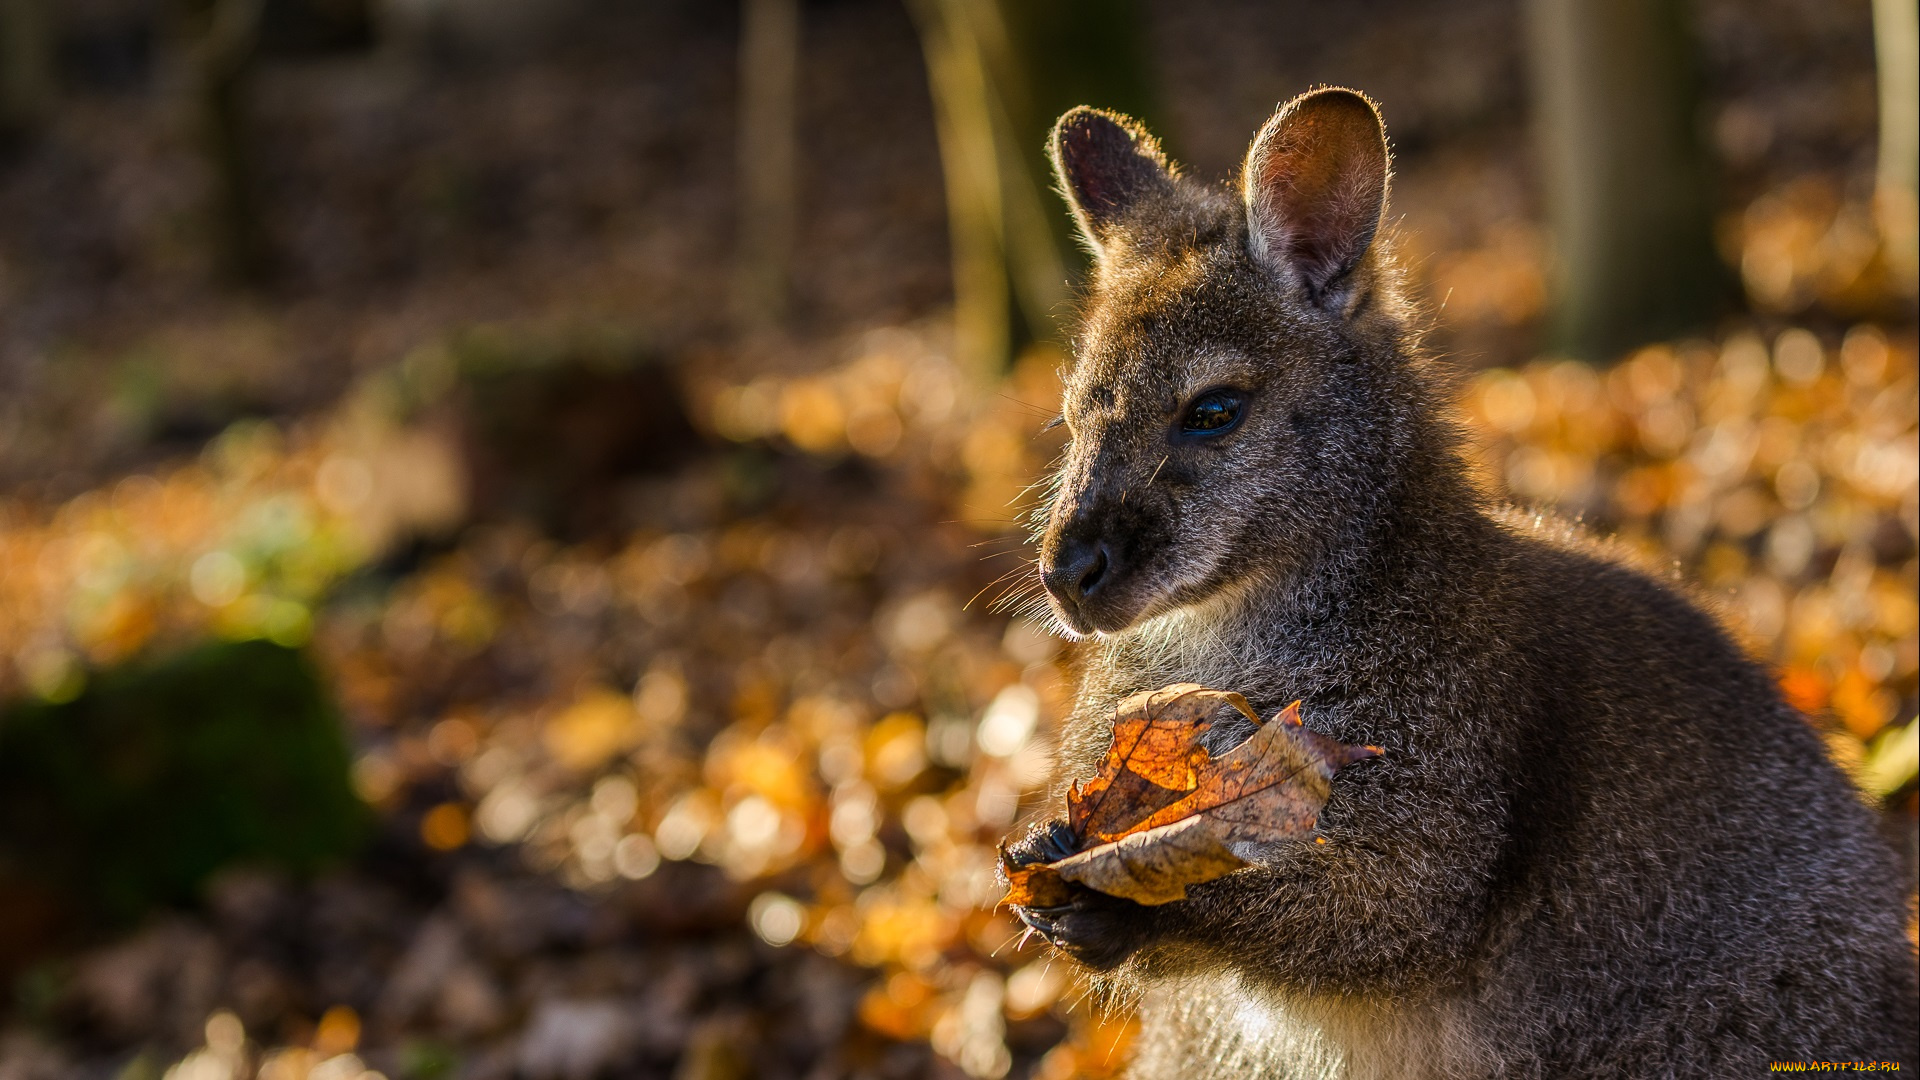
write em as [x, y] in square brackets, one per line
[1316, 185]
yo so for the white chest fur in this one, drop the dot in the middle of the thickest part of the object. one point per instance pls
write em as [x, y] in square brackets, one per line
[1216, 1027]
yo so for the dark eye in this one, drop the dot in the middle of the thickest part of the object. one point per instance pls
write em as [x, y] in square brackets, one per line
[1213, 413]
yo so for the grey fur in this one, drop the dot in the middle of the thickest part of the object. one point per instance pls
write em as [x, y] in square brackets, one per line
[1599, 843]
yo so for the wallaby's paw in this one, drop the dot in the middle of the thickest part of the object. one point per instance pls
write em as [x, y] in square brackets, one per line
[1098, 930]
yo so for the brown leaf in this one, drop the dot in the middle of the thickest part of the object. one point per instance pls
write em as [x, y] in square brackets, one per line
[1268, 789]
[1153, 761]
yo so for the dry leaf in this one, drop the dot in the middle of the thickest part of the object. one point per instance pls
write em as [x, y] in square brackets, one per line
[1166, 815]
[1153, 761]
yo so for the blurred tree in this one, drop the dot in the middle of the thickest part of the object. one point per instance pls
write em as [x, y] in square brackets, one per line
[26, 63]
[222, 37]
[1000, 72]
[769, 70]
[1896, 39]
[1626, 176]
[161, 773]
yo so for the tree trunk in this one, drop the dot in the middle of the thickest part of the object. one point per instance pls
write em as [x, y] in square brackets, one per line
[223, 36]
[769, 72]
[1000, 72]
[1626, 177]
[1896, 42]
[26, 63]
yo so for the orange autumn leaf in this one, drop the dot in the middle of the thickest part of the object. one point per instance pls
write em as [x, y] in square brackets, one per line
[1279, 777]
[1153, 760]
[1163, 814]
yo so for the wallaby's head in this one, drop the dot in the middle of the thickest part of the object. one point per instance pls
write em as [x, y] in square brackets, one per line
[1240, 378]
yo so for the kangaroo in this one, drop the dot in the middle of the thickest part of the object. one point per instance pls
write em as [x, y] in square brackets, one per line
[1598, 842]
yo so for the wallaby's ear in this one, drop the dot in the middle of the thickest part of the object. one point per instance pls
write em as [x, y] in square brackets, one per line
[1105, 163]
[1316, 184]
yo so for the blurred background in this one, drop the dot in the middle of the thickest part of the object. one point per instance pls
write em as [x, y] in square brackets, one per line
[503, 502]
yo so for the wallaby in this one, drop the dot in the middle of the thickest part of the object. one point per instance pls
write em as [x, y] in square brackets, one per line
[1598, 842]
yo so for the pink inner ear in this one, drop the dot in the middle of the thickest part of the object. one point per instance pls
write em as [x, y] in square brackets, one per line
[1317, 181]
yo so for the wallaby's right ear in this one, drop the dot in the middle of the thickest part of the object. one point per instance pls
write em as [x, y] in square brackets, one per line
[1106, 163]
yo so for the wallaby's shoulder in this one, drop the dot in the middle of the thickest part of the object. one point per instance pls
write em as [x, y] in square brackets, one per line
[1598, 582]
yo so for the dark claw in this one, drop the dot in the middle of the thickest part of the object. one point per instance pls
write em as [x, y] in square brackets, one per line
[1041, 919]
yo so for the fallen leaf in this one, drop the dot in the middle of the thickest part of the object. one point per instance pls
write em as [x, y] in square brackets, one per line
[1164, 814]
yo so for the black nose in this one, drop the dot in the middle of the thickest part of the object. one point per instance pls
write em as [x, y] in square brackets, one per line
[1078, 571]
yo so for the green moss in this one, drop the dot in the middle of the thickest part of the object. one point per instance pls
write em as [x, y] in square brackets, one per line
[163, 772]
